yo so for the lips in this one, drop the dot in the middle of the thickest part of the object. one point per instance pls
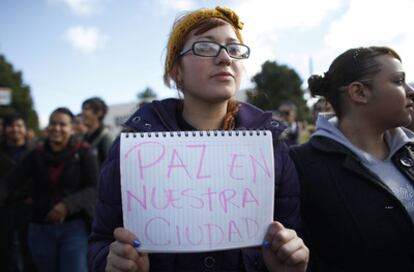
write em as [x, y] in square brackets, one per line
[222, 74]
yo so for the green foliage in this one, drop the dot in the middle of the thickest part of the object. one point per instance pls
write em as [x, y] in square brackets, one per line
[276, 84]
[147, 94]
[21, 98]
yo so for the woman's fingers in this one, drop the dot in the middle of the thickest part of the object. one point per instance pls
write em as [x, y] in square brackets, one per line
[124, 250]
[119, 263]
[124, 235]
[123, 254]
[286, 244]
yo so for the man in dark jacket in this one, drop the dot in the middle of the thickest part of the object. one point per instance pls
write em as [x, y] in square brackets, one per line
[98, 136]
[16, 214]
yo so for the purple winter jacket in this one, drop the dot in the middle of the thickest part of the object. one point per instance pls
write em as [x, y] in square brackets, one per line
[161, 116]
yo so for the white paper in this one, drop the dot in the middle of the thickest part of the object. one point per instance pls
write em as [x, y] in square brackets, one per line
[197, 191]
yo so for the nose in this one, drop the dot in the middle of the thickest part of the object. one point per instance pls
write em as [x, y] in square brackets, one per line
[409, 89]
[223, 57]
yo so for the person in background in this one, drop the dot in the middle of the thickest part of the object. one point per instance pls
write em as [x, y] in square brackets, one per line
[288, 113]
[411, 124]
[357, 170]
[31, 136]
[1, 127]
[63, 172]
[79, 126]
[98, 136]
[16, 212]
[321, 106]
[204, 61]
[14, 142]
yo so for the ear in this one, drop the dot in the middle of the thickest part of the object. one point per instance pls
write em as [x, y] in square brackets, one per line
[358, 92]
[179, 73]
[99, 114]
[177, 76]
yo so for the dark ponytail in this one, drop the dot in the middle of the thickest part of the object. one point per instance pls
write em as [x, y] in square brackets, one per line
[318, 85]
[356, 64]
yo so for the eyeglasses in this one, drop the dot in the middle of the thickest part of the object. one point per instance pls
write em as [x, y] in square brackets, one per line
[213, 49]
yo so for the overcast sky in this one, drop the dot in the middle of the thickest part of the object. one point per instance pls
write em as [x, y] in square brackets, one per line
[70, 50]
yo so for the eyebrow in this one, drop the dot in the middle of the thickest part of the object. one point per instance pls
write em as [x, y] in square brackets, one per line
[399, 73]
[214, 39]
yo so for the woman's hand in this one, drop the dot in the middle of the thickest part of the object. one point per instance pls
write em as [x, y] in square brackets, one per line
[123, 256]
[57, 214]
[283, 250]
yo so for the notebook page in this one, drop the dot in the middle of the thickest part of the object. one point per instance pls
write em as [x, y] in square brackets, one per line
[197, 191]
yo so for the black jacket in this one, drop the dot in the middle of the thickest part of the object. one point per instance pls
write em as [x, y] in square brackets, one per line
[100, 141]
[75, 172]
[9, 157]
[353, 221]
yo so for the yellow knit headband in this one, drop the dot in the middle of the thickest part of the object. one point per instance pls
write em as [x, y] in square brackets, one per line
[181, 27]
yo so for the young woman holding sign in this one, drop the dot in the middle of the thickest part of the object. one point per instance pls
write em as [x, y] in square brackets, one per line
[204, 61]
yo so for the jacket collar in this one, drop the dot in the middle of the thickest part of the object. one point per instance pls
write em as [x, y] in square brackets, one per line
[161, 116]
[328, 145]
[403, 159]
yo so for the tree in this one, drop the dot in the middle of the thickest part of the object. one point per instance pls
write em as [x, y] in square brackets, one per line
[276, 84]
[22, 101]
[147, 95]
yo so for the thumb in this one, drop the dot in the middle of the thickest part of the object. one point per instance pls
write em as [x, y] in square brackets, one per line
[125, 236]
[273, 228]
[277, 226]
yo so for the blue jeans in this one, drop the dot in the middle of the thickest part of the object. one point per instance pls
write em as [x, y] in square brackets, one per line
[61, 247]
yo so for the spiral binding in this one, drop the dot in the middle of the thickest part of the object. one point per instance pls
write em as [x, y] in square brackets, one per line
[199, 133]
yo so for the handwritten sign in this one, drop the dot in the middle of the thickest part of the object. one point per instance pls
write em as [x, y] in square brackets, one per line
[197, 191]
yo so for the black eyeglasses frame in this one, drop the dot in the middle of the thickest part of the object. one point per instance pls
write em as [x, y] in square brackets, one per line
[225, 47]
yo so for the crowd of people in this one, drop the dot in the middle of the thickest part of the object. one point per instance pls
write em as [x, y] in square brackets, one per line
[48, 188]
[344, 185]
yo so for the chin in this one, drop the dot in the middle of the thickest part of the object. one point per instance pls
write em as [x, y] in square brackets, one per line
[403, 122]
[221, 99]
[226, 94]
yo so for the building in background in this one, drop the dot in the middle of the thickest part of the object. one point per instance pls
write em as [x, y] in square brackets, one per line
[117, 115]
